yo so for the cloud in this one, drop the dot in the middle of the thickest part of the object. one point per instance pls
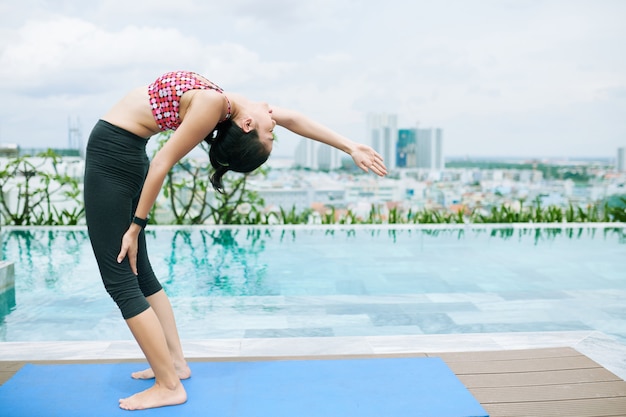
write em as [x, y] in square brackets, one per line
[73, 56]
[64, 55]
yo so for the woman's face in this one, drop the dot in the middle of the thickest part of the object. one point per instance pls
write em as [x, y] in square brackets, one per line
[263, 123]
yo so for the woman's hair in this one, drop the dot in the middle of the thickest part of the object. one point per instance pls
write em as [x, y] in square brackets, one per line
[232, 149]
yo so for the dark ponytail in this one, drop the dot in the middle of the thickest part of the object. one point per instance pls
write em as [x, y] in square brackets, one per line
[232, 149]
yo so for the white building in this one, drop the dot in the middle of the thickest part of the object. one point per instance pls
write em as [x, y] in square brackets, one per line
[306, 156]
[429, 148]
[374, 190]
[317, 156]
[621, 159]
[328, 158]
[382, 130]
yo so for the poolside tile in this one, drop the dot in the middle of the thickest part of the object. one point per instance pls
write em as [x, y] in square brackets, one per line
[327, 320]
[611, 326]
[393, 319]
[68, 350]
[605, 350]
[524, 327]
[439, 307]
[351, 286]
[123, 349]
[210, 332]
[305, 346]
[431, 343]
[289, 332]
[212, 348]
[382, 331]
[529, 340]
[476, 298]
[365, 308]
[511, 316]
[533, 295]
[436, 323]
[419, 285]
[234, 320]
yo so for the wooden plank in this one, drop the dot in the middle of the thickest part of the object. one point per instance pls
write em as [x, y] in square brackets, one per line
[601, 407]
[569, 376]
[8, 369]
[550, 393]
[11, 366]
[5, 376]
[522, 365]
[506, 354]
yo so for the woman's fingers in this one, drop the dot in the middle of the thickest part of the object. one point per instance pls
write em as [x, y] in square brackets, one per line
[128, 250]
[121, 255]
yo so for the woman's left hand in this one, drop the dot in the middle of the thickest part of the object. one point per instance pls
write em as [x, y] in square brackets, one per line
[368, 159]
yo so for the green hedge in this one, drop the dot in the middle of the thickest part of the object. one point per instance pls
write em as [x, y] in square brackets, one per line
[187, 190]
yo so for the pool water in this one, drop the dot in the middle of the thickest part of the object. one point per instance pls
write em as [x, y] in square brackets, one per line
[303, 281]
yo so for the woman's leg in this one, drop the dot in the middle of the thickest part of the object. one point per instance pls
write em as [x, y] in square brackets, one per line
[115, 168]
[163, 309]
[167, 388]
[160, 303]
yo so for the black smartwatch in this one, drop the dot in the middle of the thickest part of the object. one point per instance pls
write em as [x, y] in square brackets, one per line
[141, 222]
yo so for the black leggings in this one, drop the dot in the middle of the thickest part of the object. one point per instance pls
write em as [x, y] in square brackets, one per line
[116, 166]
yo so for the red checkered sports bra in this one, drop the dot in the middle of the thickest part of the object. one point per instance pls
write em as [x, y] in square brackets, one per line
[166, 91]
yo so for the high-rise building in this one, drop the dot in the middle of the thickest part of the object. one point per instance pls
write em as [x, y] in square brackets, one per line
[407, 148]
[314, 155]
[306, 156]
[429, 148]
[382, 129]
[328, 158]
[420, 148]
[621, 159]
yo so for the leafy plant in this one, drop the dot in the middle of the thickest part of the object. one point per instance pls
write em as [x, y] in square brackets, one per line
[616, 210]
[34, 183]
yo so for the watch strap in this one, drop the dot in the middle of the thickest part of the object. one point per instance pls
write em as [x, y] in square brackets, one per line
[139, 221]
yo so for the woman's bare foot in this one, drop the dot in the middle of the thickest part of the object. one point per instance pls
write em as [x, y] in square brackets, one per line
[182, 371]
[155, 396]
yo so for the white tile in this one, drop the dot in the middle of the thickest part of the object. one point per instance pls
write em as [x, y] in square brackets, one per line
[432, 343]
[305, 346]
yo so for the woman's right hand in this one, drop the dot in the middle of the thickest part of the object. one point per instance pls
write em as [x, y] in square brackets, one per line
[129, 247]
[368, 159]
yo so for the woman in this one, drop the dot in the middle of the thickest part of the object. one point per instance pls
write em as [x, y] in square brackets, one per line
[121, 186]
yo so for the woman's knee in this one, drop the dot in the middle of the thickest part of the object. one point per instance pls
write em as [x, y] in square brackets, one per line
[128, 297]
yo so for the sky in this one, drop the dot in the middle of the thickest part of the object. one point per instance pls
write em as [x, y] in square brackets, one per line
[524, 78]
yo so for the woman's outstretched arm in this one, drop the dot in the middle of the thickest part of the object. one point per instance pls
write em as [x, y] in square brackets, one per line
[364, 156]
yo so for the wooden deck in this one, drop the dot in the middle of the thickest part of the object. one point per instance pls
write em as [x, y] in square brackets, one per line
[539, 382]
[536, 382]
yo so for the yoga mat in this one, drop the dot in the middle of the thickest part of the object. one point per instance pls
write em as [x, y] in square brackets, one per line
[380, 387]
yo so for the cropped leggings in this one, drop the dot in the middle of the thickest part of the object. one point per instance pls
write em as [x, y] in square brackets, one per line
[116, 166]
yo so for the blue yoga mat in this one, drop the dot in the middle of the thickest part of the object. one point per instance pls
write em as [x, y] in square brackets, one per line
[382, 387]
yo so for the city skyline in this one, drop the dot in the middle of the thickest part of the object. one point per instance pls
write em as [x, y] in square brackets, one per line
[541, 78]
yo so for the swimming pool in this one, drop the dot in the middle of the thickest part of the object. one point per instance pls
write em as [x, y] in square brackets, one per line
[336, 281]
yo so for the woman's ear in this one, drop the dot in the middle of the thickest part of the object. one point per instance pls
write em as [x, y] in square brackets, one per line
[246, 125]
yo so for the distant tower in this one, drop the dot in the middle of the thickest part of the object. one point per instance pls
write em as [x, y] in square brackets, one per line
[407, 155]
[430, 148]
[306, 155]
[328, 158]
[621, 159]
[438, 160]
[382, 130]
[74, 136]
